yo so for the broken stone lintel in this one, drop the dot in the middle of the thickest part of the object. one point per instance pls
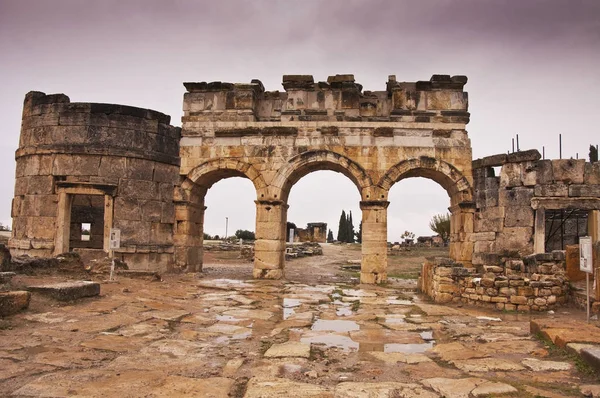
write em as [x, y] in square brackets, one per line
[490, 161]
[523, 156]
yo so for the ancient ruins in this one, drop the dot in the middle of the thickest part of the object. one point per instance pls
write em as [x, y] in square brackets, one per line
[85, 168]
[114, 166]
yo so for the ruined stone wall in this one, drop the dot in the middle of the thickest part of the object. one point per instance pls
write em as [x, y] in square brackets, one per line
[128, 156]
[275, 138]
[511, 204]
[536, 283]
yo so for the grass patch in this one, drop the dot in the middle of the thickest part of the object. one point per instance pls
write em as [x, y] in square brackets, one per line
[405, 275]
[355, 305]
[556, 352]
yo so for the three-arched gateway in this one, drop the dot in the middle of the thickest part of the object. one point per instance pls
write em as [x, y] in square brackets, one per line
[374, 138]
[94, 167]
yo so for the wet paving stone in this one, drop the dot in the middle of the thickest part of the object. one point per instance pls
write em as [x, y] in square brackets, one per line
[227, 337]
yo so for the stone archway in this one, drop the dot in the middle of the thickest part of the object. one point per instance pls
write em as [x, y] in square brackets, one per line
[309, 161]
[459, 190]
[271, 214]
[188, 234]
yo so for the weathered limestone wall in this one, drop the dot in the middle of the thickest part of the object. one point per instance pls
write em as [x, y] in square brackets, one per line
[275, 138]
[537, 283]
[128, 157]
[510, 207]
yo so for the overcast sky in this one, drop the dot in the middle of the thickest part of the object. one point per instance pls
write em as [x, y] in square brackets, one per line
[532, 67]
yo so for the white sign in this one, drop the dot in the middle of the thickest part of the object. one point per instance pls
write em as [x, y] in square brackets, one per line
[585, 254]
[115, 239]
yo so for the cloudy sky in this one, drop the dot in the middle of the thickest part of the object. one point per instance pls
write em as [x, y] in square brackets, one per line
[532, 67]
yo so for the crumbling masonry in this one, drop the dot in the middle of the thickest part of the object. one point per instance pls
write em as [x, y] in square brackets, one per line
[109, 166]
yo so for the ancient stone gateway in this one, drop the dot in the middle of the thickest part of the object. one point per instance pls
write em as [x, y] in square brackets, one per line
[275, 138]
[124, 167]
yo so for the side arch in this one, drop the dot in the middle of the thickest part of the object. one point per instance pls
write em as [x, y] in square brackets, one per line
[208, 173]
[307, 162]
[455, 183]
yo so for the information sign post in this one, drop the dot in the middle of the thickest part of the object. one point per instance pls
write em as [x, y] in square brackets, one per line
[586, 265]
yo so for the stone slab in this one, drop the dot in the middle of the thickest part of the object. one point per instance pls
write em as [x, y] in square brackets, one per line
[13, 302]
[591, 356]
[289, 349]
[67, 291]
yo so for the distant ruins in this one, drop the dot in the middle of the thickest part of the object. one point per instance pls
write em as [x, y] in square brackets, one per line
[113, 166]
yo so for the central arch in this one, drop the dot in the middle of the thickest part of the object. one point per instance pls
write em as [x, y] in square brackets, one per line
[309, 161]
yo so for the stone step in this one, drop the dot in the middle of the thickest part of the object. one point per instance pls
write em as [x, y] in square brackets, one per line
[13, 302]
[591, 356]
[67, 291]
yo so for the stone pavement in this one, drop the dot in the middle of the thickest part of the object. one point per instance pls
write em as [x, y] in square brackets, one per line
[189, 336]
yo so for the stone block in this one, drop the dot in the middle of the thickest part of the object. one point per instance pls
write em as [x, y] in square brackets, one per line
[519, 300]
[519, 196]
[139, 169]
[490, 161]
[518, 216]
[482, 236]
[557, 189]
[515, 239]
[127, 208]
[76, 165]
[13, 302]
[483, 223]
[151, 210]
[510, 175]
[544, 173]
[591, 174]
[68, 291]
[111, 166]
[484, 246]
[529, 174]
[577, 190]
[40, 185]
[524, 156]
[568, 170]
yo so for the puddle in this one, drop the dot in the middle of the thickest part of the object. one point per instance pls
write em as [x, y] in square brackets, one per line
[427, 335]
[334, 325]
[343, 311]
[227, 318]
[392, 301]
[288, 312]
[394, 320]
[332, 340]
[291, 302]
[358, 293]
[408, 348]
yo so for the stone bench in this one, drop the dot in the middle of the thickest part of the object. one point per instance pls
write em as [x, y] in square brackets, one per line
[67, 291]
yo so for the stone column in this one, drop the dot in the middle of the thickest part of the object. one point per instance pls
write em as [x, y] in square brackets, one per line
[461, 221]
[63, 223]
[373, 268]
[189, 235]
[539, 231]
[269, 247]
[594, 225]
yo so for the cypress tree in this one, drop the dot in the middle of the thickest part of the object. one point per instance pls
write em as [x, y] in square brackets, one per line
[329, 237]
[342, 228]
[359, 233]
[350, 228]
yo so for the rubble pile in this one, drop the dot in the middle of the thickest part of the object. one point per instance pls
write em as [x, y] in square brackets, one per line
[302, 250]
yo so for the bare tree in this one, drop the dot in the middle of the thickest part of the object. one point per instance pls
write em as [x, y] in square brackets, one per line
[440, 224]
